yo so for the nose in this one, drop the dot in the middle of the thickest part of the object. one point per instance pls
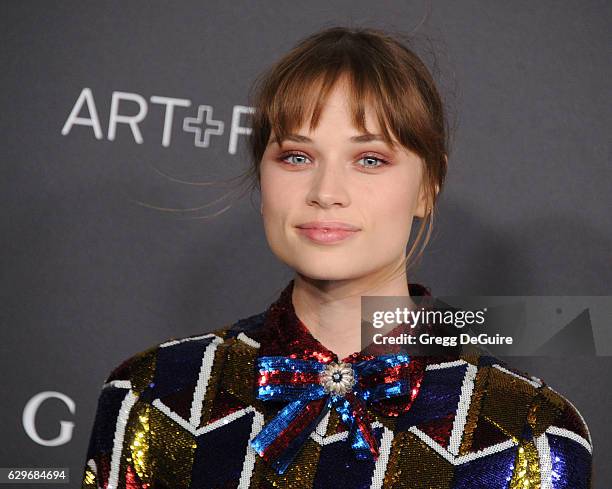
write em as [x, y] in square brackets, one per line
[328, 187]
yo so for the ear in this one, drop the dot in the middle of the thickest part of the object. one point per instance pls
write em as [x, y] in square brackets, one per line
[421, 208]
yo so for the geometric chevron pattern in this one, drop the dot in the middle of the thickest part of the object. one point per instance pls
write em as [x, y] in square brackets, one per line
[181, 414]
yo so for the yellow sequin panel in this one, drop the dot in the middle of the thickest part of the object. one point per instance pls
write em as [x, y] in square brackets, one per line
[239, 371]
[139, 446]
[89, 480]
[144, 370]
[138, 369]
[389, 422]
[299, 475]
[334, 424]
[136, 451]
[526, 468]
[544, 411]
[172, 451]
[413, 464]
[507, 402]
[471, 355]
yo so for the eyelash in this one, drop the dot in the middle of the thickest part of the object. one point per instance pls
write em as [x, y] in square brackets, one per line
[383, 161]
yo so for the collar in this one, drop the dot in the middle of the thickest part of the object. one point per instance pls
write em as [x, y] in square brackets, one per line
[286, 335]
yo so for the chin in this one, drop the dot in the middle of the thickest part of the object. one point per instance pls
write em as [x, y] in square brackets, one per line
[324, 263]
[326, 271]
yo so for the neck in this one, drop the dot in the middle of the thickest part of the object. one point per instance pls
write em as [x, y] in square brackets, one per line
[331, 309]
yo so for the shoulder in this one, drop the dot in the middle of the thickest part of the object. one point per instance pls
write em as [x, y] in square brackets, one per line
[484, 415]
[175, 384]
[527, 407]
[178, 358]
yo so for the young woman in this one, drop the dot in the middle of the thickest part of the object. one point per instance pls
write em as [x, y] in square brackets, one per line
[349, 146]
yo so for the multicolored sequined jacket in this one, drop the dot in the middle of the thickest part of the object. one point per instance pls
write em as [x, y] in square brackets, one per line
[181, 415]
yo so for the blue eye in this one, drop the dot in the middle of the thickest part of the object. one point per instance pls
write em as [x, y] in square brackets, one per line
[382, 161]
[285, 157]
[290, 155]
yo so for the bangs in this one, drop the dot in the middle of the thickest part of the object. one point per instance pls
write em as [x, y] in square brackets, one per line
[380, 75]
[301, 99]
[371, 84]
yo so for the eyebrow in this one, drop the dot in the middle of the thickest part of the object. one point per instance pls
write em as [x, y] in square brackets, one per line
[361, 138]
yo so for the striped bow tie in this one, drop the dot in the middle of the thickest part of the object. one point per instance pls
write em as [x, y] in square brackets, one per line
[313, 388]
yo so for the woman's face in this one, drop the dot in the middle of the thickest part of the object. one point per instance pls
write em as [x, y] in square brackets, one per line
[334, 178]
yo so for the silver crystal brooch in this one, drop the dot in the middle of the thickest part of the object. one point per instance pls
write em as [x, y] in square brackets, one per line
[337, 378]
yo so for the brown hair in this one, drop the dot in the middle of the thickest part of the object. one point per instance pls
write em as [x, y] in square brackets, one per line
[381, 70]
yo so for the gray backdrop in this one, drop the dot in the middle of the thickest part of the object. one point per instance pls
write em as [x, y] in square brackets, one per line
[90, 276]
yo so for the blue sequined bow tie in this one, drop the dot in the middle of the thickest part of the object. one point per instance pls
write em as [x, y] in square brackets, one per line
[313, 388]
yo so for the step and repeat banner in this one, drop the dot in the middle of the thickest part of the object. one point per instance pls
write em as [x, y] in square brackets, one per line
[117, 116]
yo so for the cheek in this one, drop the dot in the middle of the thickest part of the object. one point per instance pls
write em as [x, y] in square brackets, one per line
[276, 200]
[279, 198]
[392, 209]
[272, 190]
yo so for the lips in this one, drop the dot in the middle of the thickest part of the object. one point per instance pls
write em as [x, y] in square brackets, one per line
[328, 225]
[325, 232]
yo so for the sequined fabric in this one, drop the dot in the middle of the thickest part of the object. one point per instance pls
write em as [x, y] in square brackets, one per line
[182, 414]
